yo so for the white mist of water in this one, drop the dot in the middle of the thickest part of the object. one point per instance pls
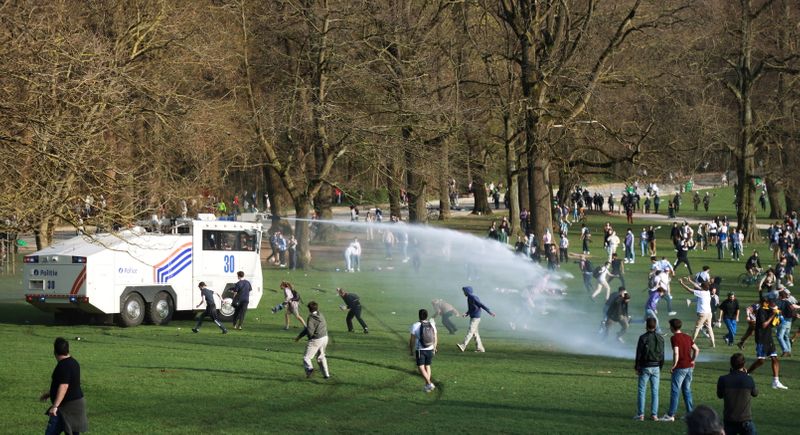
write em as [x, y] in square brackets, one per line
[547, 307]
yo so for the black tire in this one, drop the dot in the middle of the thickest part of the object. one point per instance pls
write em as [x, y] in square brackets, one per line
[131, 310]
[161, 309]
[747, 279]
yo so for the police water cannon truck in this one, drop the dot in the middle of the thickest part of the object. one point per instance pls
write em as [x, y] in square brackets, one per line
[138, 276]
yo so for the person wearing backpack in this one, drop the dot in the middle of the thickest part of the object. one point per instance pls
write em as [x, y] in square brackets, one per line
[291, 301]
[422, 344]
[649, 360]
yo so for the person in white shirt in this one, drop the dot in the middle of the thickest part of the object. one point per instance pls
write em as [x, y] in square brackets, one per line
[602, 281]
[703, 302]
[420, 349]
[613, 244]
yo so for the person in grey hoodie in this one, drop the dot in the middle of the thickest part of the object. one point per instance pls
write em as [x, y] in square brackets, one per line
[474, 307]
[317, 332]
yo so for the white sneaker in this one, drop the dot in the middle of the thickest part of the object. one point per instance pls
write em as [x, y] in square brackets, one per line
[688, 302]
[621, 340]
[778, 386]
[431, 387]
[672, 313]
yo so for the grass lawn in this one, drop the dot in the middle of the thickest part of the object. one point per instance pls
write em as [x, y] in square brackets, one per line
[167, 380]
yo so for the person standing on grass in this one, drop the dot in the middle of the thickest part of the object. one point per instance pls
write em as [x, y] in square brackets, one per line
[68, 411]
[241, 294]
[207, 297]
[766, 317]
[703, 302]
[423, 344]
[729, 311]
[474, 307]
[440, 307]
[788, 306]
[586, 237]
[684, 354]
[630, 250]
[649, 360]
[317, 332]
[643, 243]
[353, 305]
[737, 390]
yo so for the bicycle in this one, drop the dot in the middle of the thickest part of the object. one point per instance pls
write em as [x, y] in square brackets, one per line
[748, 278]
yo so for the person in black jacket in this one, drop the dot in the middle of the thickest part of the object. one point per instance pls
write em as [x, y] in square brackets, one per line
[353, 305]
[617, 311]
[737, 389]
[649, 360]
[241, 295]
[207, 296]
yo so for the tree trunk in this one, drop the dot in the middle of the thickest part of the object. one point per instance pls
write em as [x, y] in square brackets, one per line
[522, 182]
[393, 187]
[322, 203]
[540, 193]
[302, 206]
[415, 186]
[511, 174]
[444, 182]
[774, 193]
[792, 194]
[746, 196]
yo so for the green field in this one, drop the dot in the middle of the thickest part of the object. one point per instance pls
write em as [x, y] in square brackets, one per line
[167, 380]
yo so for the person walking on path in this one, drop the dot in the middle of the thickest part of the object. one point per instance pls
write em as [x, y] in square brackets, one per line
[241, 297]
[737, 390]
[317, 332]
[440, 307]
[353, 304]
[423, 344]
[474, 307]
[684, 355]
[68, 411]
[649, 360]
[207, 297]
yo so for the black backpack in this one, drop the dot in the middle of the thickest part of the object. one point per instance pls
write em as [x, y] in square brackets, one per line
[295, 296]
[596, 271]
[427, 335]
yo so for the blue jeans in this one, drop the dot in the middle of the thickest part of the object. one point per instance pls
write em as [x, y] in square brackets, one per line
[643, 245]
[55, 426]
[629, 253]
[681, 383]
[783, 335]
[731, 325]
[649, 374]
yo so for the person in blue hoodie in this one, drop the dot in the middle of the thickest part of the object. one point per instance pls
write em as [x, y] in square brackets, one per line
[474, 307]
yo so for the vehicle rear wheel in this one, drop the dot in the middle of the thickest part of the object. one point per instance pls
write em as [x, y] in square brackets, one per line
[131, 310]
[159, 312]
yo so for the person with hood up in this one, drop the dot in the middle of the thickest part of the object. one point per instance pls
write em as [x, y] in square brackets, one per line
[474, 307]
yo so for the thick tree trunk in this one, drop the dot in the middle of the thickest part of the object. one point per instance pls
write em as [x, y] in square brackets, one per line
[540, 193]
[792, 194]
[746, 196]
[322, 204]
[415, 188]
[774, 193]
[481, 206]
[393, 187]
[511, 174]
[302, 229]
